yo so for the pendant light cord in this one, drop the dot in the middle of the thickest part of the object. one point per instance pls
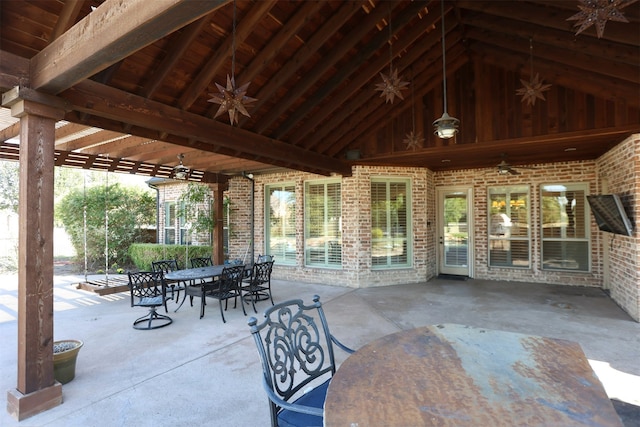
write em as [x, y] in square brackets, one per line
[233, 43]
[444, 61]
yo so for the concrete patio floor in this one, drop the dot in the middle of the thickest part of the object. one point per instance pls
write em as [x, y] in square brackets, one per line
[203, 372]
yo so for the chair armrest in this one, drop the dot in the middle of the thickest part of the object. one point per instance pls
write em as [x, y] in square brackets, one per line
[310, 410]
[342, 346]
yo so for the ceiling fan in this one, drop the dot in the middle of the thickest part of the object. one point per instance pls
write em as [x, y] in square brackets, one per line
[180, 171]
[505, 168]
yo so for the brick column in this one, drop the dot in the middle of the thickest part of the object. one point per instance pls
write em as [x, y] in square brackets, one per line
[37, 389]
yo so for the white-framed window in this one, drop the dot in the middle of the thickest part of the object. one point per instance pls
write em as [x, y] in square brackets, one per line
[175, 227]
[565, 227]
[170, 217]
[390, 223]
[323, 223]
[509, 226]
[280, 226]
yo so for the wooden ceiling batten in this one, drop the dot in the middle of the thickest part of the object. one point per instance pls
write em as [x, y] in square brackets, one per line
[313, 66]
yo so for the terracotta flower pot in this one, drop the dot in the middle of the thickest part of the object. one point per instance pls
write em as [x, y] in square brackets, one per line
[65, 353]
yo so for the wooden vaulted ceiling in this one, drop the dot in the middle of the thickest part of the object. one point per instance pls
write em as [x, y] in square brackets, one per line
[135, 78]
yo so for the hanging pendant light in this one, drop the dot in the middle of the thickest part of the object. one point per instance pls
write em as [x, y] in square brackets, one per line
[232, 99]
[446, 126]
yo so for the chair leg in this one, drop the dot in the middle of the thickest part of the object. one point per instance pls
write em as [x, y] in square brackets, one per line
[202, 305]
[241, 303]
[222, 312]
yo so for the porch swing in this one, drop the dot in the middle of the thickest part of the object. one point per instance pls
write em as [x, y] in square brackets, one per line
[107, 285]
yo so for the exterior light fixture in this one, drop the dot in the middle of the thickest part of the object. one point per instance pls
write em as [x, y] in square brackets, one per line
[446, 126]
[180, 171]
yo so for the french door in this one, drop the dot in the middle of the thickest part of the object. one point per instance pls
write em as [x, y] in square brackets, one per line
[455, 223]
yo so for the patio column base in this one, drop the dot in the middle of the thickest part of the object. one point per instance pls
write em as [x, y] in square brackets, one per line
[21, 406]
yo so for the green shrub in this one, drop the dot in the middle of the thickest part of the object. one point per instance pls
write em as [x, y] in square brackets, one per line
[143, 254]
[130, 211]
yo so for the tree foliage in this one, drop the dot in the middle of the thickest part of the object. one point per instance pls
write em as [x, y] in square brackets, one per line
[123, 211]
[9, 178]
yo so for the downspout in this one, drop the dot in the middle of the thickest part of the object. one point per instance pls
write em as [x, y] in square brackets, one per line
[249, 176]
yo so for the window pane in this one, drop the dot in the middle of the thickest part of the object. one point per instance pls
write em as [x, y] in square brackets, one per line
[170, 223]
[565, 244]
[509, 226]
[323, 224]
[389, 223]
[281, 226]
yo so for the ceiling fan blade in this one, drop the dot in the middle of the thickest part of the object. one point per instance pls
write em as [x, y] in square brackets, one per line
[513, 171]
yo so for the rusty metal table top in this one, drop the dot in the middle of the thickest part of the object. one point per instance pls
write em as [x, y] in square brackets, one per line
[455, 375]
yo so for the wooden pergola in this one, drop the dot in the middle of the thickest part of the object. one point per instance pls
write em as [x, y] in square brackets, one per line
[141, 73]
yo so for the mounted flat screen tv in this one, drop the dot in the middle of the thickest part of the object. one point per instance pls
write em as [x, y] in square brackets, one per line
[610, 214]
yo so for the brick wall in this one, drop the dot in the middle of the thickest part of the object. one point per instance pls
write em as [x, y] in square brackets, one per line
[617, 262]
[481, 179]
[619, 173]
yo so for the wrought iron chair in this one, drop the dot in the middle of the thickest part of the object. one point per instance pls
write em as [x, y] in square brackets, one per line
[295, 351]
[148, 289]
[223, 289]
[166, 266]
[265, 258]
[257, 286]
[201, 262]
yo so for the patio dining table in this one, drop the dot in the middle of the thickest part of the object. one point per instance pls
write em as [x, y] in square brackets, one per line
[198, 273]
[456, 375]
[193, 274]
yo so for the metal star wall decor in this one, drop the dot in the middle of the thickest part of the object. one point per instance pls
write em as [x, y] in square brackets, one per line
[532, 90]
[391, 86]
[232, 99]
[414, 140]
[598, 12]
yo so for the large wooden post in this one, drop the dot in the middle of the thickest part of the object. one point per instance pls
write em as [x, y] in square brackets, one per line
[37, 389]
[218, 235]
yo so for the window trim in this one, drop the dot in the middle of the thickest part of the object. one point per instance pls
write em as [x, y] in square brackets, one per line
[267, 220]
[508, 190]
[409, 219]
[570, 186]
[325, 183]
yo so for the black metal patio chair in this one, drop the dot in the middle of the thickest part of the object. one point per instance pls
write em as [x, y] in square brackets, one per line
[148, 289]
[295, 352]
[166, 266]
[257, 286]
[223, 289]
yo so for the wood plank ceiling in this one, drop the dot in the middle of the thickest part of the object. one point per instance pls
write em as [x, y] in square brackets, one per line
[136, 77]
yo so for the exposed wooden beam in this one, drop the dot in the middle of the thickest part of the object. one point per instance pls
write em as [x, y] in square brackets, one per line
[348, 42]
[607, 50]
[546, 16]
[221, 53]
[574, 59]
[67, 18]
[10, 131]
[344, 73]
[310, 134]
[561, 74]
[175, 53]
[114, 104]
[310, 48]
[14, 71]
[108, 34]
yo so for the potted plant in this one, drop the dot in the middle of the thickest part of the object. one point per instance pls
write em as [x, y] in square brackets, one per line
[65, 353]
